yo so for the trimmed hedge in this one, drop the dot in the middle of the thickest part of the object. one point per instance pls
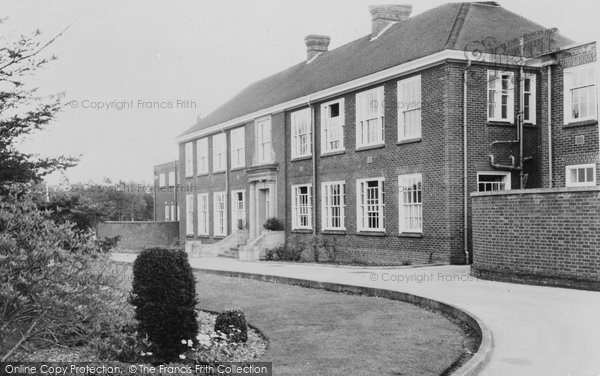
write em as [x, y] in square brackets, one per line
[233, 324]
[164, 296]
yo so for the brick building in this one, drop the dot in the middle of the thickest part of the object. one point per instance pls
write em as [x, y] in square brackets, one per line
[379, 142]
[166, 195]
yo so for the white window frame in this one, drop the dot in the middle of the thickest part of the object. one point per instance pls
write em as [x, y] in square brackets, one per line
[264, 140]
[301, 133]
[220, 213]
[332, 129]
[409, 104]
[171, 180]
[173, 213]
[238, 147]
[189, 218]
[301, 210]
[370, 120]
[162, 182]
[219, 152]
[202, 153]
[167, 212]
[238, 212]
[189, 159]
[203, 214]
[506, 179]
[496, 92]
[569, 76]
[362, 207]
[327, 207]
[532, 98]
[410, 203]
[570, 183]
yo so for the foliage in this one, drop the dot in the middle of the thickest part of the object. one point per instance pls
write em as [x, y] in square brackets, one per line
[107, 243]
[232, 324]
[56, 287]
[273, 224]
[164, 296]
[305, 248]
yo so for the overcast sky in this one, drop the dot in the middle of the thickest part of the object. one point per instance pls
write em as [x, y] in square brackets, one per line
[190, 57]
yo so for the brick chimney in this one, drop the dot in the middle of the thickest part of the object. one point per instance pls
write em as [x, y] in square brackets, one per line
[315, 44]
[384, 15]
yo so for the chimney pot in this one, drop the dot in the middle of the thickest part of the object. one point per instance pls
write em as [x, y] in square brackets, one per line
[315, 44]
[383, 15]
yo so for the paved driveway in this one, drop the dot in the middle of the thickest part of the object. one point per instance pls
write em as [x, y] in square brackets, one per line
[536, 330]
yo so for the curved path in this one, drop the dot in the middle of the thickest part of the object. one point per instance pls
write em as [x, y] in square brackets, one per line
[536, 330]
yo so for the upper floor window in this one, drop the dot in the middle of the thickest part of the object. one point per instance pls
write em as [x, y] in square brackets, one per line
[219, 152]
[202, 152]
[333, 203]
[370, 118]
[370, 204]
[493, 181]
[301, 207]
[529, 107]
[189, 159]
[580, 93]
[410, 205]
[501, 96]
[161, 180]
[581, 175]
[409, 108]
[332, 126]
[301, 133]
[172, 181]
[264, 149]
[238, 147]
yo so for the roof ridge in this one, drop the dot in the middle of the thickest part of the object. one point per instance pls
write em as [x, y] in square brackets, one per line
[458, 25]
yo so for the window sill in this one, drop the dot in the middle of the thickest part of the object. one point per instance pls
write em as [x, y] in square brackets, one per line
[238, 168]
[581, 123]
[302, 158]
[202, 174]
[371, 233]
[219, 237]
[203, 236]
[218, 172]
[362, 148]
[410, 235]
[409, 141]
[499, 123]
[333, 232]
[301, 231]
[330, 153]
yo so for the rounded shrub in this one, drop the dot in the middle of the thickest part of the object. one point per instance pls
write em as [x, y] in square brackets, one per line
[273, 224]
[233, 324]
[164, 296]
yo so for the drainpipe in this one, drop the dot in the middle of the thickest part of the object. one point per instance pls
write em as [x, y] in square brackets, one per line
[550, 177]
[227, 195]
[520, 125]
[314, 166]
[465, 186]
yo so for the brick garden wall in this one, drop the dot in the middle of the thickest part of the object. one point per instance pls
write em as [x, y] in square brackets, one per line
[539, 236]
[138, 235]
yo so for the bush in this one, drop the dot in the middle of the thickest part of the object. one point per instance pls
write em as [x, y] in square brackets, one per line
[108, 243]
[273, 224]
[233, 325]
[164, 296]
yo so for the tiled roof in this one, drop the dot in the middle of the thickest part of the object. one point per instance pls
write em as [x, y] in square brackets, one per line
[449, 26]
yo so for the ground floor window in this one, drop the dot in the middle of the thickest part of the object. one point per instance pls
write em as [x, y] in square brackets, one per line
[410, 203]
[167, 212]
[301, 207]
[203, 214]
[581, 175]
[370, 204]
[333, 202]
[189, 214]
[238, 209]
[493, 181]
[220, 214]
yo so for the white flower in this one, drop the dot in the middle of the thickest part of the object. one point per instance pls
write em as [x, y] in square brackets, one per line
[190, 343]
[183, 342]
[181, 356]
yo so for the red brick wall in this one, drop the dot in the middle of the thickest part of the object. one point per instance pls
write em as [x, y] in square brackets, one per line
[139, 235]
[545, 236]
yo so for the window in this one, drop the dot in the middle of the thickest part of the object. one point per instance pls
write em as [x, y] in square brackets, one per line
[189, 159]
[219, 152]
[501, 96]
[203, 214]
[370, 204]
[493, 181]
[332, 126]
[301, 207]
[238, 147]
[580, 93]
[173, 213]
[189, 215]
[220, 214]
[167, 212]
[238, 209]
[202, 151]
[172, 181]
[264, 151]
[369, 118]
[410, 203]
[301, 133]
[333, 201]
[161, 180]
[581, 175]
[529, 107]
[409, 108]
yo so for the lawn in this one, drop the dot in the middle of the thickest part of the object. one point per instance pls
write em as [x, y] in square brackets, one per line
[315, 332]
